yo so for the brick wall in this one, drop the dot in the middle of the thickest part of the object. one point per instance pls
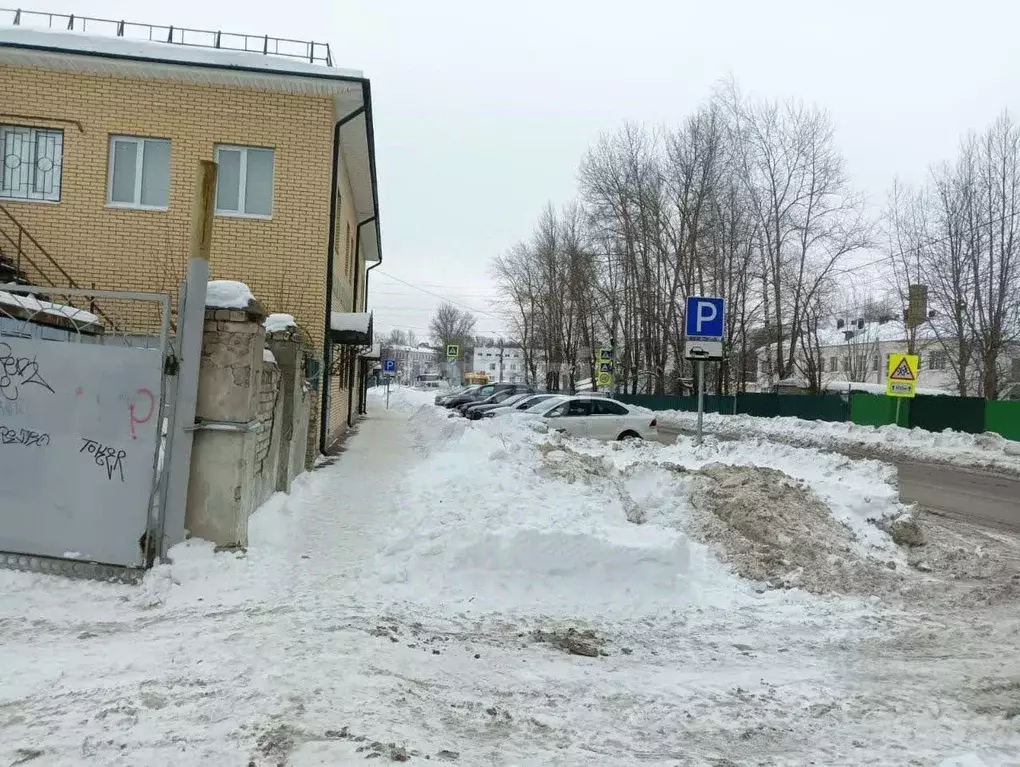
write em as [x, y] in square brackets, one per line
[283, 260]
[269, 395]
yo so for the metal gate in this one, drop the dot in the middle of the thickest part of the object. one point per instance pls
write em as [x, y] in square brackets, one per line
[84, 408]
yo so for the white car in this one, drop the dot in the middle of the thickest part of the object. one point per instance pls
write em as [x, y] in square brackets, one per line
[595, 417]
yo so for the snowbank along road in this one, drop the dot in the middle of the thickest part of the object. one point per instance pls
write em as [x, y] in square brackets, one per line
[984, 497]
[484, 594]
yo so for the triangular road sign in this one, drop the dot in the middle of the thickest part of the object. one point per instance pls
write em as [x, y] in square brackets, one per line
[902, 372]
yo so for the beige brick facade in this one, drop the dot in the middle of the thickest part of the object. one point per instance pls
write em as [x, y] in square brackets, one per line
[282, 259]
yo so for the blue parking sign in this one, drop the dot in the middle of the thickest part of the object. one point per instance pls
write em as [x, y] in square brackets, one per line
[389, 366]
[705, 317]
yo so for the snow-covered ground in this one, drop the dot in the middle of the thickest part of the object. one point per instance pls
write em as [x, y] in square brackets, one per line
[482, 593]
[977, 450]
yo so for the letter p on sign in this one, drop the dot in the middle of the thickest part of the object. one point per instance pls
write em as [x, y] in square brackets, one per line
[705, 317]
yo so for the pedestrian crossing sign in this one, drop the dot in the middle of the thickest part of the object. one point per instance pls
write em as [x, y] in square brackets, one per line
[901, 380]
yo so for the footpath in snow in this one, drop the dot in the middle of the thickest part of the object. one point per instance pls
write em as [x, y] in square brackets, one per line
[986, 451]
[483, 593]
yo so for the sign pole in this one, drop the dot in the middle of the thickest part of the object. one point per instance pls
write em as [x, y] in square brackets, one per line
[701, 399]
[898, 399]
[388, 392]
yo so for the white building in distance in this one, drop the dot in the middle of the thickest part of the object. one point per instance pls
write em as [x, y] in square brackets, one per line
[507, 364]
[858, 351]
[412, 361]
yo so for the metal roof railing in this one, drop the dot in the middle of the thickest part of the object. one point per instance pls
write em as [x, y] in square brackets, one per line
[306, 50]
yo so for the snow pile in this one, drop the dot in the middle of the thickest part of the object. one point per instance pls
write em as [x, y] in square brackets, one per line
[491, 533]
[268, 356]
[34, 305]
[403, 399]
[276, 323]
[509, 517]
[778, 531]
[980, 450]
[228, 294]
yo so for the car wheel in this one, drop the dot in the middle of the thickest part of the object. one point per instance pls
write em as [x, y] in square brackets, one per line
[629, 435]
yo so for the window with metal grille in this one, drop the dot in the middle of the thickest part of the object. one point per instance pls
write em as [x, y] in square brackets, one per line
[32, 159]
[938, 360]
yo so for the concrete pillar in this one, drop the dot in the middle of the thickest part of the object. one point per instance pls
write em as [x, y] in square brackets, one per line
[287, 345]
[221, 491]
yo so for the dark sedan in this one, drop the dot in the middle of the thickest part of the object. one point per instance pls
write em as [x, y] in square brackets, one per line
[477, 395]
[504, 398]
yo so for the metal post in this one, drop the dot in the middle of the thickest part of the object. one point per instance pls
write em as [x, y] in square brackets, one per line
[897, 421]
[191, 322]
[700, 365]
[388, 379]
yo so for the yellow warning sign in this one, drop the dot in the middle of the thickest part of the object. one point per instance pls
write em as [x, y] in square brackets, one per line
[902, 378]
[604, 379]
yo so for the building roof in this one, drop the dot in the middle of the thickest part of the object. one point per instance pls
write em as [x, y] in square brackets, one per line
[893, 331]
[73, 51]
[181, 53]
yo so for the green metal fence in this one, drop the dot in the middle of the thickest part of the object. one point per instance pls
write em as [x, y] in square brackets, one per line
[965, 414]
[968, 414]
[876, 410]
[1004, 419]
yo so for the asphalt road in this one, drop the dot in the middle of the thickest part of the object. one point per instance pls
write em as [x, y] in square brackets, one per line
[970, 495]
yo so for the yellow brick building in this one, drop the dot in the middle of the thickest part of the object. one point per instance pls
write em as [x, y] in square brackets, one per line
[101, 136]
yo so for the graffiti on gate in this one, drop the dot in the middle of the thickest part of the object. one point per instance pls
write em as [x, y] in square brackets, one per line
[23, 437]
[106, 457]
[17, 372]
[135, 419]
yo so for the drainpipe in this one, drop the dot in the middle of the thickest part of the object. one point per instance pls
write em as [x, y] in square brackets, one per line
[354, 307]
[334, 183]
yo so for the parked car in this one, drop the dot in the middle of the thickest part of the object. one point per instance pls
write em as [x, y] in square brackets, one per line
[477, 395]
[595, 417]
[500, 395]
[499, 399]
[446, 395]
[526, 402]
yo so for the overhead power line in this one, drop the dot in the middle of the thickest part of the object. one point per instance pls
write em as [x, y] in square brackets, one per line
[440, 297]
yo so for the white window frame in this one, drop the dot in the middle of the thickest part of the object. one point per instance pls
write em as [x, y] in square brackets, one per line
[139, 142]
[33, 134]
[242, 182]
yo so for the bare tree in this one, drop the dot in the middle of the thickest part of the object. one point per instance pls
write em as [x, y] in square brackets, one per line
[450, 325]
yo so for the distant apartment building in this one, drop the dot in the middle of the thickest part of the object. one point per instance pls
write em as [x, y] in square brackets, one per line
[858, 352]
[101, 137]
[412, 361]
[508, 364]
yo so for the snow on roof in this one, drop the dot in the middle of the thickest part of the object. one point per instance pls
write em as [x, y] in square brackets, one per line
[268, 356]
[352, 322]
[838, 387]
[278, 322]
[374, 353]
[228, 294]
[34, 305]
[872, 333]
[403, 348]
[123, 47]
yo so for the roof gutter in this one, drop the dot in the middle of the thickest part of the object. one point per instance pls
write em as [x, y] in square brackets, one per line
[324, 400]
[370, 127]
[354, 307]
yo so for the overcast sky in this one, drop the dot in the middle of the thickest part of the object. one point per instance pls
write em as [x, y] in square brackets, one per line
[483, 110]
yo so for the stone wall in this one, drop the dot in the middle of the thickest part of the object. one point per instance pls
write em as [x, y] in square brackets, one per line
[252, 422]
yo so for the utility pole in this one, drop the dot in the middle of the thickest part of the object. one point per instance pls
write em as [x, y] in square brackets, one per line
[501, 360]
